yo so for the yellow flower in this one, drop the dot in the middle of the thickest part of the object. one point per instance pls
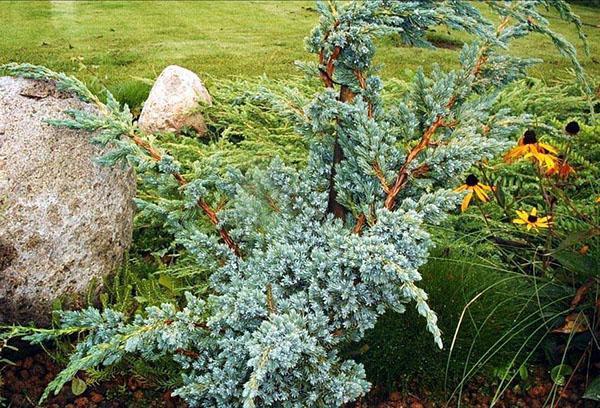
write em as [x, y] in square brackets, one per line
[531, 220]
[529, 148]
[598, 200]
[473, 186]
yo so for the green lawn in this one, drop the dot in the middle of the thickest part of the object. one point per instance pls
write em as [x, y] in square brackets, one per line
[118, 41]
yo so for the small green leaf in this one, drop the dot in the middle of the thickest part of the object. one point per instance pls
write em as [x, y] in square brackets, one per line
[502, 372]
[140, 299]
[559, 372]
[167, 282]
[104, 300]
[593, 390]
[523, 372]
[78, 386]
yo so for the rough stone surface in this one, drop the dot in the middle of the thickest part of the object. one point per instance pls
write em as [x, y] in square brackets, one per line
[172, 100]
[65, 221]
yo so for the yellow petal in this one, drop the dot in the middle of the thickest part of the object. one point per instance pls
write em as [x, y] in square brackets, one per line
[549, 161]
[466, 201]
[548, 148]
[531, 156]
[529, 227]
[461, 188]
[483, 186]
[514, 153]
[480, 194]
[519, 221]
[534, 211]
[543, 159]
[522, 214]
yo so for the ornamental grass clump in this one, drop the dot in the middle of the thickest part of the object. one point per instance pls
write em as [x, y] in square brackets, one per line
[305, 260]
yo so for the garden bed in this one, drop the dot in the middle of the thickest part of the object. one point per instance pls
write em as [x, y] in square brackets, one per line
[25, 381]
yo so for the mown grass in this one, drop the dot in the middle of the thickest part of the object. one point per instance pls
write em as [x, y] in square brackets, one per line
[119, 41]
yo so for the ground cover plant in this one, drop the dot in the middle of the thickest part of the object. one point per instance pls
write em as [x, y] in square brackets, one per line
[307, 258]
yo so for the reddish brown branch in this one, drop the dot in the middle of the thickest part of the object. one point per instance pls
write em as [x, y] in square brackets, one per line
[187, 353]
[379, 174]
[212, 216]
[360, 223]
[404, 173]
[421, 170]
[146, 146]
[480, 61]
[327, 72]
[210, 213]
[271, 306]
[331, 63]
[361, 79]
[363, 84]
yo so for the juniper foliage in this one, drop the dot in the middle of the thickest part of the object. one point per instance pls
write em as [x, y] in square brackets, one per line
[306, 260]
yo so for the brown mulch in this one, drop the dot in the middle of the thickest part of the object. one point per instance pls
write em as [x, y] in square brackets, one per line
[22, 384]
[478, 393]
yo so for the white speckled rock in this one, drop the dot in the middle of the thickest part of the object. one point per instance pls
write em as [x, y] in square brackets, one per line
[172, 101]
[65, 221]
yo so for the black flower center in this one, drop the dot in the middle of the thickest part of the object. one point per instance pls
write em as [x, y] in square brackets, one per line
[529, 137]
[532, 218]
[472, 180]
[572, 128]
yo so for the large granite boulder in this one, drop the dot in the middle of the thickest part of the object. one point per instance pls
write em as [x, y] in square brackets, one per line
[65, 221]
[173, 102]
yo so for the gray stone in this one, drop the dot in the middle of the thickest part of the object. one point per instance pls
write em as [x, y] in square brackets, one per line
[65, 221]
[173, 102]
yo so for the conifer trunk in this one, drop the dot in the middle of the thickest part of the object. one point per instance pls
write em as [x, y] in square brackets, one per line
[333, 206]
